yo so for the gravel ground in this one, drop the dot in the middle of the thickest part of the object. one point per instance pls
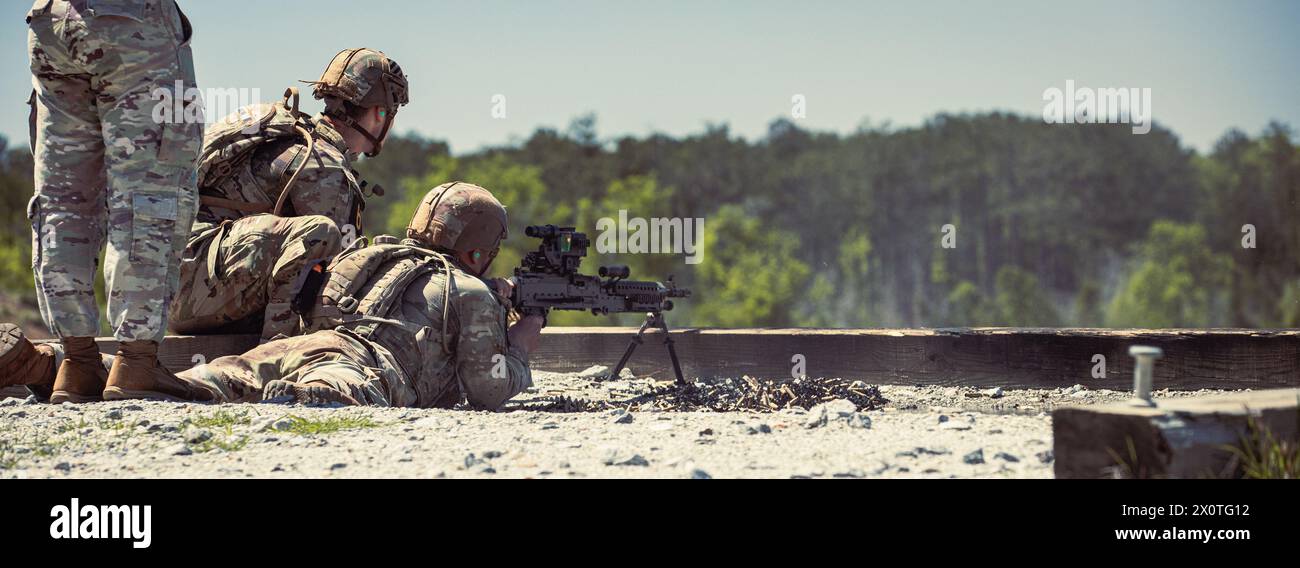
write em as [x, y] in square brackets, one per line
[920, 432]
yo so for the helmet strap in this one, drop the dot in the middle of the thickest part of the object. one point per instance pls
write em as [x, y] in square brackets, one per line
[379, 142]
[487, 266]
[376, 142]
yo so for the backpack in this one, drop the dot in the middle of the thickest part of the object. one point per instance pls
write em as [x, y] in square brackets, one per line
[361, 287]
[228, 144]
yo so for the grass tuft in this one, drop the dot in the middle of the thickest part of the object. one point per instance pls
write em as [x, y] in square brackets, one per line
[1261, 455]
[8, 459]
[308, 427]
[222, 419]
[226, 442]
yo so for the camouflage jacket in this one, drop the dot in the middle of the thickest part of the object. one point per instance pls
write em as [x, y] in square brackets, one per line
[327, 186]
[472, 358]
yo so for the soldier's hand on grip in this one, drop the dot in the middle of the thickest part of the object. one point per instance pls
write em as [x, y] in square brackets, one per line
[526, 333]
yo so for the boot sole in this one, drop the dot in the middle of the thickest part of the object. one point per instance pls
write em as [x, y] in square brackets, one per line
[286, 392]
[10, 338]
[60, 397]
[115, 393]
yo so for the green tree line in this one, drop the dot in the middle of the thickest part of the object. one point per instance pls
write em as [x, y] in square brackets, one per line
[1050, 225]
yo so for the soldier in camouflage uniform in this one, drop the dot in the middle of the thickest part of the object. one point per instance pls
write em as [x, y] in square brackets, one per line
[109, 166]
[278, 192]
[410, 324]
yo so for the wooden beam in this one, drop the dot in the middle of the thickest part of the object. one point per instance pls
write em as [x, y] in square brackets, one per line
[1186, 438]
[14, 392]
[980, 357]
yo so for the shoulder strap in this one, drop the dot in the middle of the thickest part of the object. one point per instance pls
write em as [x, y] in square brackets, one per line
[292, 93]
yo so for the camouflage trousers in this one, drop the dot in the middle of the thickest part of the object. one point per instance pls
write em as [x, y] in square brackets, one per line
[242, 276]
[337, 359]
[106, 167]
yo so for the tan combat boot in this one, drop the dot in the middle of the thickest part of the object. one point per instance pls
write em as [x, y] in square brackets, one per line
[313, 394]
[81, 376]
[137, 374]
[24, 363]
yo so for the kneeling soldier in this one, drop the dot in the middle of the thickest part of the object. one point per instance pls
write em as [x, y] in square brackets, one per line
[277, 193]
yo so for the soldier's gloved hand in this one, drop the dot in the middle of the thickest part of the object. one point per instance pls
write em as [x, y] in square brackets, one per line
[504, 289]
[526, 333]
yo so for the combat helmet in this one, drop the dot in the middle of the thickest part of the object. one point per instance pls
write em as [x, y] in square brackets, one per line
[362, 77]
[459, 217]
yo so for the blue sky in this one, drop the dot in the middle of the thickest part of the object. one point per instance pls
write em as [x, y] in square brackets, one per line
[674, 67]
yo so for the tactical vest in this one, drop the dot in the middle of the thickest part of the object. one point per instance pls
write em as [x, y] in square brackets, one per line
[362, 287]
[229, 145]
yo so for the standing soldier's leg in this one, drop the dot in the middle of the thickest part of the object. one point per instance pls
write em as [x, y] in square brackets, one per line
[67, 212]
[152, 133]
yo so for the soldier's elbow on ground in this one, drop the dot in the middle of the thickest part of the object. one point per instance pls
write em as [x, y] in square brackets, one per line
[488, 393]
[487, 397]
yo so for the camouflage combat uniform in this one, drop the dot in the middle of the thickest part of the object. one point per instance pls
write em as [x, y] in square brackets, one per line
[241, 267]
[239, 270]
[400, 357]
[104, 165]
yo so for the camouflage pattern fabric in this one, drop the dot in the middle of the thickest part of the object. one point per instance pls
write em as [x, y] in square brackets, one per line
[488, 369]
[475, 360]
[241, 277]
[328, 185]
[336, 359]
[363, 77]
[404, 363]
[104, 167]
[459, 216]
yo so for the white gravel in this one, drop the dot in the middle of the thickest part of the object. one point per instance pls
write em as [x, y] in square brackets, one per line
[923, 432]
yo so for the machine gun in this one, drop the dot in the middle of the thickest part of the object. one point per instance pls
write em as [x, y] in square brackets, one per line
[548, 279]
